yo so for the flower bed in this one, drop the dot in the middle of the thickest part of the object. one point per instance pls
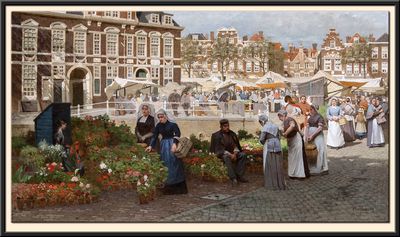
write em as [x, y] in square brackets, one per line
[104, 154]
[205, 166]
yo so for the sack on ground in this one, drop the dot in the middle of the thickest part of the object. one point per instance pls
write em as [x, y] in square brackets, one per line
[183, 147]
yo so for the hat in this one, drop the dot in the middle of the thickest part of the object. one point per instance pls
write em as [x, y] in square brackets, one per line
[223, 121]
[282, 112]
[263, 118]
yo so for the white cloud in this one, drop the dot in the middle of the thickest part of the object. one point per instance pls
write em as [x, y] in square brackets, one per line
[287, 27]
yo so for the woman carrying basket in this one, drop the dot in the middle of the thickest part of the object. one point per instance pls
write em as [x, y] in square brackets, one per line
[314, 135]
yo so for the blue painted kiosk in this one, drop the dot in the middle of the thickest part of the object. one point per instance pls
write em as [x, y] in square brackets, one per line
[47, 122]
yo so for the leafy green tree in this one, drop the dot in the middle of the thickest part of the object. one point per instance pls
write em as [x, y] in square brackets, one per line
[258, 51]
[190, 51]
[224, 53]
[358, 53]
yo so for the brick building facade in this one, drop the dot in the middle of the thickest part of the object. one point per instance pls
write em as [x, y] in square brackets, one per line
[331, 53]
[380, 56]
[73, 56]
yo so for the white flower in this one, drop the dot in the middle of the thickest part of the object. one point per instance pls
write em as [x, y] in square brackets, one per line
[74, 179]
[81, 185]
[145, 177]
[146, 184]
[87, 186]
[103, 166]
[200, 151]
[138, 183]
[76, 171]
[109, 171]
[202, 166]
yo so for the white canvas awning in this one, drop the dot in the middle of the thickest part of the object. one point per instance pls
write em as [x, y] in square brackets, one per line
[128, 84]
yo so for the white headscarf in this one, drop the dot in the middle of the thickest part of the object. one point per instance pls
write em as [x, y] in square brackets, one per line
[170, 116]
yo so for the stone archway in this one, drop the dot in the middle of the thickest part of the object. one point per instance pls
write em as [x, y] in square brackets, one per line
[79, 86]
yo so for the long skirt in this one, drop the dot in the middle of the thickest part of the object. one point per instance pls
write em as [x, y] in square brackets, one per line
[322, 161]
[295, 157]
[335, 135]
[375, 134]
[176, 175]
[348, 131]
[273, 170]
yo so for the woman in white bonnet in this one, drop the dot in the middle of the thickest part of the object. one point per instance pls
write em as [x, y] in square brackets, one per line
[272, 154]
[176, 181]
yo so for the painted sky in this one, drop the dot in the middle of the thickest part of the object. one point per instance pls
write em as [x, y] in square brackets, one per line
[284, 26]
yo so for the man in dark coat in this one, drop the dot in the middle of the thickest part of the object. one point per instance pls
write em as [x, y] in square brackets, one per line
[225, 144]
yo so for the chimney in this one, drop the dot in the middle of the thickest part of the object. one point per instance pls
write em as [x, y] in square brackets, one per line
[371, 38]
[314, 46]
[261, 33]
[212, 36]
[290, 47]
[245, 38]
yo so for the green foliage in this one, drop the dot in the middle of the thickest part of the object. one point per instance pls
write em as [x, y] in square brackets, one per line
[322, 110]
[52, 153]
[243, 134]
[199, 144]
[20, 176]
[17, 143]
[32, 157]
[203, 164]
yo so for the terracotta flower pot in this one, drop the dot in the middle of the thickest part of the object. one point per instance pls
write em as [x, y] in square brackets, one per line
[20, 203]
[143, 199]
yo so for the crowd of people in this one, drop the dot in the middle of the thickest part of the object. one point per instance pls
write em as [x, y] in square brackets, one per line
[302, 125]
[186, 100]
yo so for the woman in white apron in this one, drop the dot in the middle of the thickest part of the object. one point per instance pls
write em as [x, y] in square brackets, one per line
[335, 137]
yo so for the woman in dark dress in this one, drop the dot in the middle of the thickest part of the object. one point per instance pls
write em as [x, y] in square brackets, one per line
[314, 133]
[145, 124]
[176, 183]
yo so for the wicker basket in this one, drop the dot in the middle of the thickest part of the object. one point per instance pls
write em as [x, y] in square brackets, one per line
[311, 153]
[342, 121]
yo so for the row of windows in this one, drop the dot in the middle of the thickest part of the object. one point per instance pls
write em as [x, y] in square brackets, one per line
[384, 52]
[154, 18]
[29, 77]
[336, 62]
[58, 43]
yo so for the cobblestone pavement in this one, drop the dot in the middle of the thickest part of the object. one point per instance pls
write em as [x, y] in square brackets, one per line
[355, 190]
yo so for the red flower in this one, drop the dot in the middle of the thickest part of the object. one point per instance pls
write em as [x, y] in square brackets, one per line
[71, 185]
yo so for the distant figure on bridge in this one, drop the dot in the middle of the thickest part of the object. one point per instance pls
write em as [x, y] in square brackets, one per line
[174, 99]
[185, 100]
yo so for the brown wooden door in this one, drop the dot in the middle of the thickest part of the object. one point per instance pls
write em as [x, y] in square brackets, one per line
[57, 91]
[77, 96]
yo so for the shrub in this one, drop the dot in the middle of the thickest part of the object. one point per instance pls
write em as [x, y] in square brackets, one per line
[52, 153]
[20, 176]
[32, 157]
[199, 144]
[243, 134]
[17, 143]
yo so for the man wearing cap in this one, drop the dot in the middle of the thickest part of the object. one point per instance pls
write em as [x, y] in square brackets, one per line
[225, 144]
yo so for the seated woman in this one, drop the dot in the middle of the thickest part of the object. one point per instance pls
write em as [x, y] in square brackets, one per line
[145, 124]
[272, 155]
